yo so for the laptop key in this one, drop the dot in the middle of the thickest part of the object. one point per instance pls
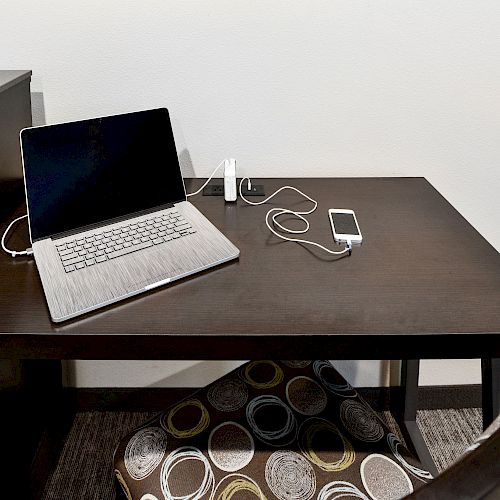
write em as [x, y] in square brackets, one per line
[74, 260]
[101, 258]
[131, 249]
[80, 265]
[90, 262]
[62, 253]
[68, 256]
[157, 241]
[68, 269]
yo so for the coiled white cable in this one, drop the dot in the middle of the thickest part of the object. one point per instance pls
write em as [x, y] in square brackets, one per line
[274, 213]
[14, 253]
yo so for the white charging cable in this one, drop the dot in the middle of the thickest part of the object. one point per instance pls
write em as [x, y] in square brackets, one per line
[207, 181]
[14, 253]
[274, 213]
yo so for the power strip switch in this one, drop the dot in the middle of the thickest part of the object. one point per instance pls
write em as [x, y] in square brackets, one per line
[230, 192]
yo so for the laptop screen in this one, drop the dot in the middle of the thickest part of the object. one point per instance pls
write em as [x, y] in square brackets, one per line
[83, 173]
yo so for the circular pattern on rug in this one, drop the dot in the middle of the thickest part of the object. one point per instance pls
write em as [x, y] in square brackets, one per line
[310, 429]
[167, 424]
[384, 479]
[230, 446]
[123, 484]
[181, 457]
[268, 409]
[394, 442]
[332, 380]
[148, 496]
[228, 394]
[306, 396]
[297, 363]
[237, 484]
[145, 451]
[290, 476]
[340, 489]
[360, 421]
[267, 384]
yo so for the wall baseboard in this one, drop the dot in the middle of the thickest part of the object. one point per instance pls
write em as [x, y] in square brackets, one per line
[159, 398]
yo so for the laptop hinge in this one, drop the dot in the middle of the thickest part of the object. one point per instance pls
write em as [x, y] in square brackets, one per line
[108, 222]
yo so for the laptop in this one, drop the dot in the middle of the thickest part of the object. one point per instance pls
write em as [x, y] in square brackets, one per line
[107, 211]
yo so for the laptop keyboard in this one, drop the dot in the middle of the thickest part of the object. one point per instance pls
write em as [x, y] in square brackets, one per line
[105, 245]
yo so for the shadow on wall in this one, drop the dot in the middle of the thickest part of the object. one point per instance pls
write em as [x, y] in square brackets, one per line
[195, 375]
[200, 373]
[186, 164]
[38, 109]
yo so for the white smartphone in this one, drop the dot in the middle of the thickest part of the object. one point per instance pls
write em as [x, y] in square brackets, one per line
[345, 226]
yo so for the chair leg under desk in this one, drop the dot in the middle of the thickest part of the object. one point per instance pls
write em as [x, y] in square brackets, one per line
[490, 372]
[409, 383]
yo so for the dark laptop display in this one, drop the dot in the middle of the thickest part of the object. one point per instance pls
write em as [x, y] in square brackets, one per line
[90, 171]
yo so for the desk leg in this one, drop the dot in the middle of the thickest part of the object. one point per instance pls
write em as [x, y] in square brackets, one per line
[490, 371]
[36, 419]
[409, 383]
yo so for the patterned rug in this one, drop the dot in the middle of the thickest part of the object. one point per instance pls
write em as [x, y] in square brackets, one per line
[85, 472]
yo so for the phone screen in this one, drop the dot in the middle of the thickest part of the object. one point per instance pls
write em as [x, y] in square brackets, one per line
[344, 223]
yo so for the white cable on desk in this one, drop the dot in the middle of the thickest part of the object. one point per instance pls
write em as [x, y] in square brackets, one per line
[276, 212]
[207, 181]
[14, 253]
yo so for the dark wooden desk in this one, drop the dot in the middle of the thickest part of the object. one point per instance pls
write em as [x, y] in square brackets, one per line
[424, 284]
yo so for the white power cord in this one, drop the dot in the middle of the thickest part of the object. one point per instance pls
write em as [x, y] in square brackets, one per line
[14, 253]
[207, 181]
[274, 213]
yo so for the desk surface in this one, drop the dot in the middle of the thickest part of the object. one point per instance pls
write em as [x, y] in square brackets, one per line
[424, 284]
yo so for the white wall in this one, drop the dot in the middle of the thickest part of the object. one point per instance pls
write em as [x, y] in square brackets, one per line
[289, 88]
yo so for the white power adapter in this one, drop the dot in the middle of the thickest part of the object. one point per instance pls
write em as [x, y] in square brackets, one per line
[230, 193]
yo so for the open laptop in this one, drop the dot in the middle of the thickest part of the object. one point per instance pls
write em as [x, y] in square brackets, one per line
[107, 211]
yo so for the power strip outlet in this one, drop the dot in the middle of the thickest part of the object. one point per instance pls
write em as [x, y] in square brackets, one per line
[218, 190]
[257, 190]
[213, 190]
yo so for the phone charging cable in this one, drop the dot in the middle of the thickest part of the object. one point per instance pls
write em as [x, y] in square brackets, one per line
[273, 214]
[14, 253]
